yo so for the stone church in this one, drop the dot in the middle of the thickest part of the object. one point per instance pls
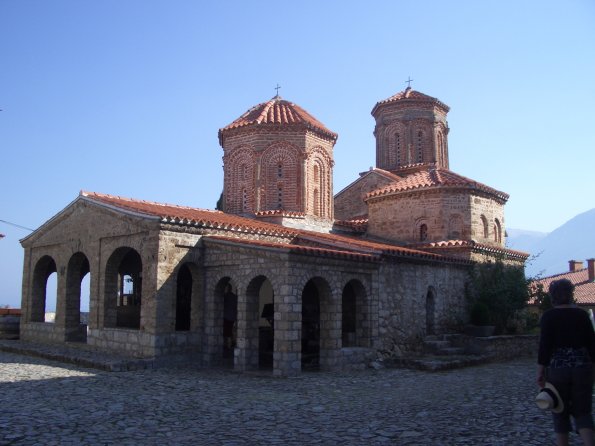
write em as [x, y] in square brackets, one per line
[286, 276]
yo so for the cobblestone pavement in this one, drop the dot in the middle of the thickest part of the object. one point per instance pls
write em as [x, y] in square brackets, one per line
[49, 403]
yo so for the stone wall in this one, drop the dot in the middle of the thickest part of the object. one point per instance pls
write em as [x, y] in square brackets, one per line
[349, 202]
[501, 347]
[411, 295]
[448, 214]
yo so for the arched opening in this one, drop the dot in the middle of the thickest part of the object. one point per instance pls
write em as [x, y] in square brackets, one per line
[430, 312]
[398, 149]
[420, 150]
[310, 327]
[355, 320]
[78, 269]
[497, 231]
[260, 323]
[484, 224]
[423, 232]
[349, 313]
[44, 288]
[123, 289]
[184, 286]
[230, 317]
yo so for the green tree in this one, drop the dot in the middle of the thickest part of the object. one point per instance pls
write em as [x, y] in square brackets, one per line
[501, 288]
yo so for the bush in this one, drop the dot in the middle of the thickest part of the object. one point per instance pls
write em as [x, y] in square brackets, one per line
[480, 314]
[501, 288]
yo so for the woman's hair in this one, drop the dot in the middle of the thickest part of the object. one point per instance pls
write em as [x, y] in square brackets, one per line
[561, 291]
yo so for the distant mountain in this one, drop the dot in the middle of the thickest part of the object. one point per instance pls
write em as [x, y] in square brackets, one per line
[574, 240]
[523, 240]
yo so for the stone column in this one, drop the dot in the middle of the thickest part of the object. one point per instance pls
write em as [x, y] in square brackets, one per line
[61, 306]
[287, 356]
[246, 351]
[330, 333]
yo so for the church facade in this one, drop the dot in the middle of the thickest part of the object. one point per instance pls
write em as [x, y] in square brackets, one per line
[285, 277]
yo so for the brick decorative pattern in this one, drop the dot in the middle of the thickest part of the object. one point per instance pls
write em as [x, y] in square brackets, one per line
[411, 132]
[289, 159]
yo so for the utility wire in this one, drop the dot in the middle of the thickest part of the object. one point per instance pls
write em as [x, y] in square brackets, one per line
[17, 226]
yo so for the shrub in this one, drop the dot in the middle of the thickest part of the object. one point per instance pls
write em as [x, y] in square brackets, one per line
[480, 314]
[501, 288]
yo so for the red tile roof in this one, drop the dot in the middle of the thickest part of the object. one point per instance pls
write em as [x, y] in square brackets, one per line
[470, 244]
[307, 240]
[277, 112]
[433, 178]
[410, 95]
[300, 249]
[183, 215]
[584, 290]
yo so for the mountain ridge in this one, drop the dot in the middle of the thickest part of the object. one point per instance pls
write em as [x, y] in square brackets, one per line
[550, 252]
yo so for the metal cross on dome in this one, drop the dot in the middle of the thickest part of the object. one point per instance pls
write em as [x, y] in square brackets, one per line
[277, 88]
[409, 80]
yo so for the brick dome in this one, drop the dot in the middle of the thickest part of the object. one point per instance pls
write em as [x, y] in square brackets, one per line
[411, 96]
[277, 113]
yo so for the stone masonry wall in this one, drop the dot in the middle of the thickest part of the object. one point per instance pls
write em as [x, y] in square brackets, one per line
[402, 310]
[95, 233]
[449, 214]
[350, 203]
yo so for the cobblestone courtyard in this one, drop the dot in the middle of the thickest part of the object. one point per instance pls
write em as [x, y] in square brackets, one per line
[50, 403]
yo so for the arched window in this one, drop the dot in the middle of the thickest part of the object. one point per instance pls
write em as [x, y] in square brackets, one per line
[497, 231]
[440, 154]
[423, 232]
[420, 156]
[484, 224]
[316, 173]
[279, 170]
[279, 197]
[398, 148]
[316, 202]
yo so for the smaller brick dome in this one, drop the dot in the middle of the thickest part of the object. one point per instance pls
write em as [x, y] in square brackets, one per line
[277, 113]
[410, 96]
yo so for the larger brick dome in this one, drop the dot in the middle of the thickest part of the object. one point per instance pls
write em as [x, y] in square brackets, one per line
[276, 113]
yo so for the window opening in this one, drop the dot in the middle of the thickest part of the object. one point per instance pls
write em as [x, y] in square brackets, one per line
[423, 232]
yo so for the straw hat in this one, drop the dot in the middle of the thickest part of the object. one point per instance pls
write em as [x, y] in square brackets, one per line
[548, 398]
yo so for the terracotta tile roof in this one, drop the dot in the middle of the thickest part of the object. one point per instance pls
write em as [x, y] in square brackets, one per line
[358, 224]
[365, 245]
[382, 172]
[302, 240]
[470, 244]
[432, 178]
[410, 95]
[279, 212]
[300, 249]
[183, 215]
[584, 290]
[277, 112]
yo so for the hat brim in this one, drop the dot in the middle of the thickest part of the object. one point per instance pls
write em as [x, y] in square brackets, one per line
[553, 393]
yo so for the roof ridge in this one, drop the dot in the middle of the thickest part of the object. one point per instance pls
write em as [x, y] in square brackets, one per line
[91, 194]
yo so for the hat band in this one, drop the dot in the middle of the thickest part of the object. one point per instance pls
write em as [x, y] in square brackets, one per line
[553, 395]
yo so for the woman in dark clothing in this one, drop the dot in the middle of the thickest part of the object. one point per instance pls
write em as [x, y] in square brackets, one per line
[567, 349]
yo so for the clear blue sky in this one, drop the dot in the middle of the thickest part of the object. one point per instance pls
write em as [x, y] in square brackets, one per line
[126, 97]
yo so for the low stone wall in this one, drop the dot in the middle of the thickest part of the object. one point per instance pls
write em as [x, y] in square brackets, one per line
[10, 319]
[43, 332]
[501, 347]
